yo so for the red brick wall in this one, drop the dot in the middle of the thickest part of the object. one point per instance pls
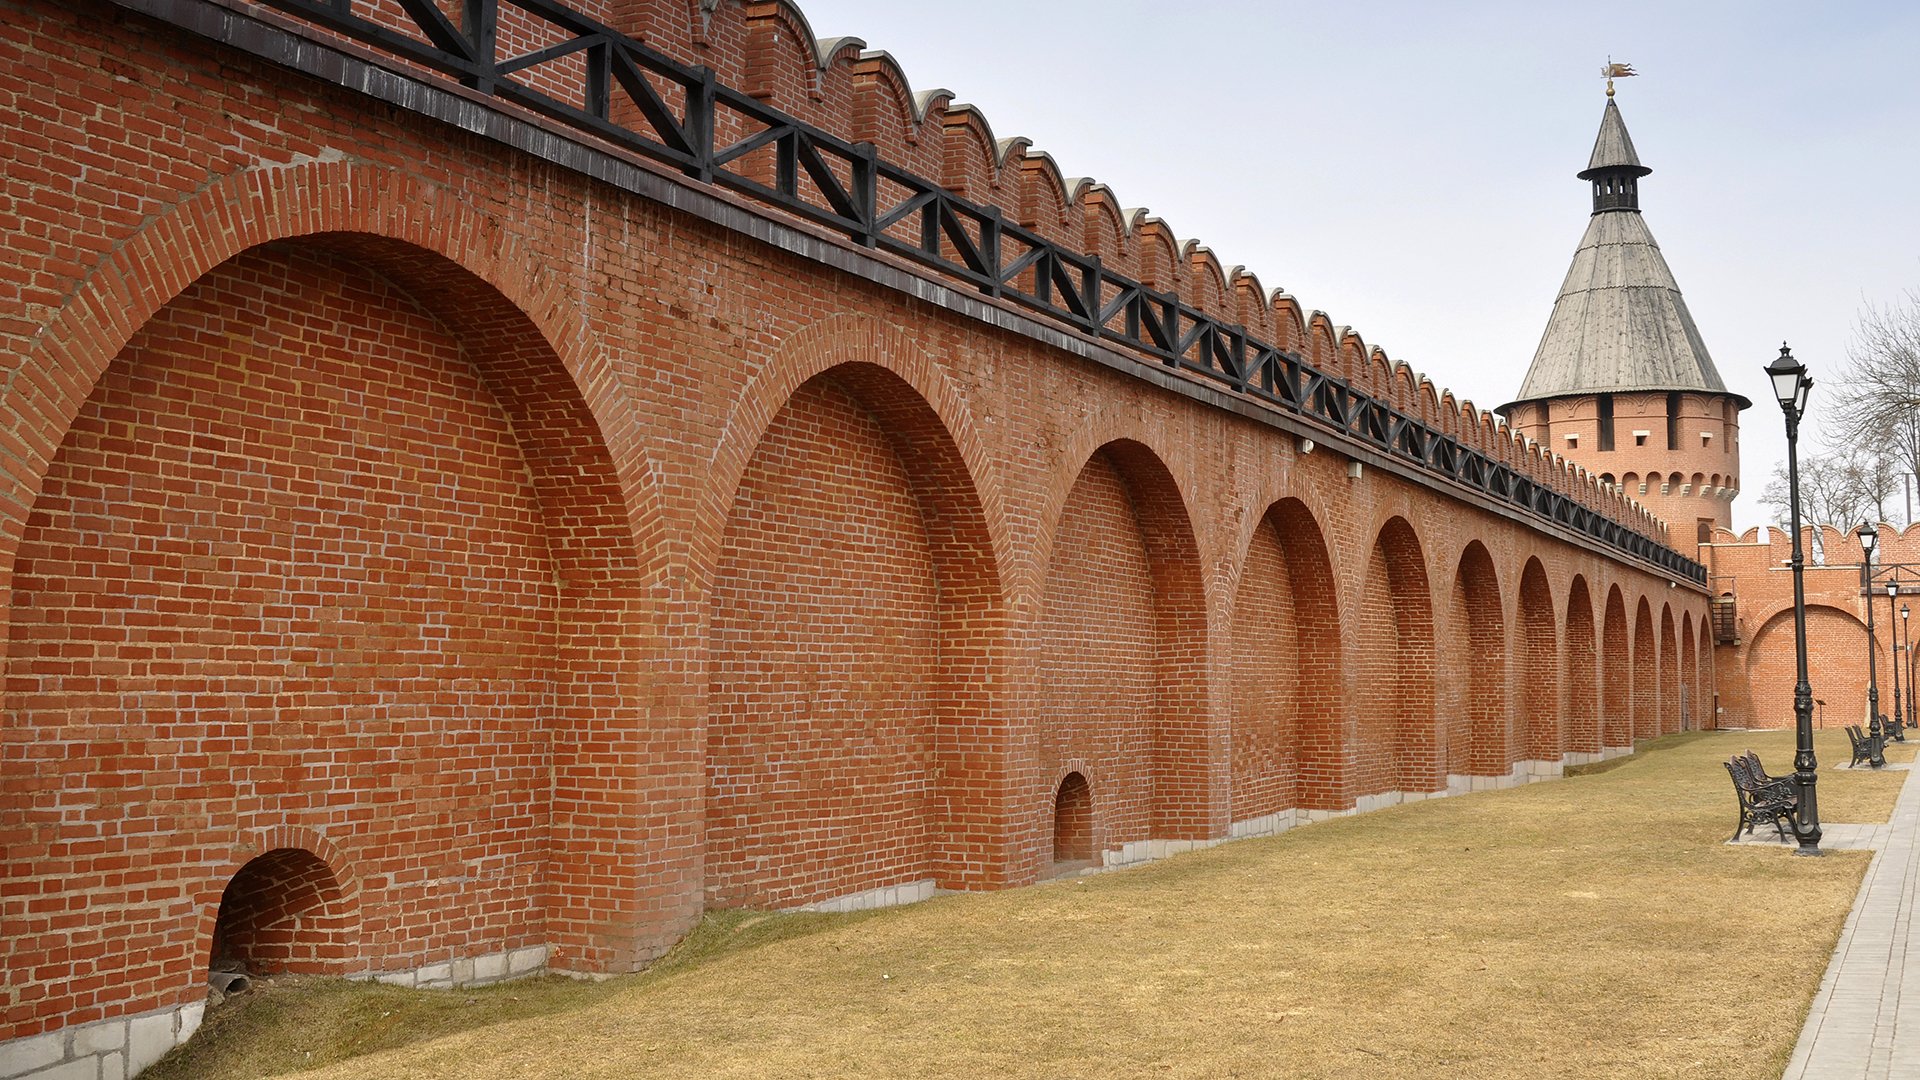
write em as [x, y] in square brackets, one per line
[1479, 735]
[821, 658]
[1753, 679]
[287, 567]
[1616, 664]
[1579, 677]
[372, 490]
[1100, 654]
[1267, 690]
[1539, 659]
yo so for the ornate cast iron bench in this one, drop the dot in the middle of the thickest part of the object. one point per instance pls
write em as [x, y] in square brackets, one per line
[1761, 797]
[1759, 772]
[1863, 745]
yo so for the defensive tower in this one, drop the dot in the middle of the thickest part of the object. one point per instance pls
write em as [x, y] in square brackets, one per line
[1621, 382]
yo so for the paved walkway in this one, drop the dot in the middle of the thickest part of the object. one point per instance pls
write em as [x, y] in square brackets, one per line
[1865, 1020]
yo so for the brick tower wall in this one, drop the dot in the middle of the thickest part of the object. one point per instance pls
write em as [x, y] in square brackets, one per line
[1689, 484]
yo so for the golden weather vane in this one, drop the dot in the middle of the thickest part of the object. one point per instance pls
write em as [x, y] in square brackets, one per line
[1616, 71]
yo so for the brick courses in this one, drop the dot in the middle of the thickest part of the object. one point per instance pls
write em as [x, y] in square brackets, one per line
[1754, 677]
[488, 558]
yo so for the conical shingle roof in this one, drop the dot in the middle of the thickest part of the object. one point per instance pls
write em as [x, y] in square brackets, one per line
[1619, 324]
[1613, 147]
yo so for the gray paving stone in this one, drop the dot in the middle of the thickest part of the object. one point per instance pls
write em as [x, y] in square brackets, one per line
[1865, 1020]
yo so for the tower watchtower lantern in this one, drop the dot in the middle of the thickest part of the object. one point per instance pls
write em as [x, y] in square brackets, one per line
[1621, 382]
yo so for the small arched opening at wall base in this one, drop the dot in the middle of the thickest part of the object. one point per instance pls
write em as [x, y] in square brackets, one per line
[1072, 825]
[285, 912]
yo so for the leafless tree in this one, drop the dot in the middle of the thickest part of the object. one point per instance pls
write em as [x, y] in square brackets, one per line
[1841, 487]
[1877, 396]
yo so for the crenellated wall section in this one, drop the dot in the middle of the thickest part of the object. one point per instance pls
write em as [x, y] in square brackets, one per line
[439, 543]
[1752, 577]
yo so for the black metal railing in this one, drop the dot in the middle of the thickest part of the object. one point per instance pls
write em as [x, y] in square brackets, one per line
[656, 107]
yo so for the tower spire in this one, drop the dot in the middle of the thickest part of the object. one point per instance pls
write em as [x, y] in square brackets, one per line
[1619, 323]
[1614, 167]
[1621, 382]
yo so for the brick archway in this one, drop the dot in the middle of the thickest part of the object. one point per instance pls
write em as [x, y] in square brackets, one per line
[1479, 735]
[1288, 677]
[1122, 648]
[1395, 640]
[1837, 642]
[253, 206]
[1669, 673]
[1704, 683]
[1537, 641]
[1646, 673]
[856, 634]
[345, 882]
[244, 502]
[285, 911]
[1616, 663]
[1580, 677]
[1690, 711]
[1072, 822]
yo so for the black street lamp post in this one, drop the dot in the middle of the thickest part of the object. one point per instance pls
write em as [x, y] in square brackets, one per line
[1868, 537]
[1790, 386]
[1898, 728]
[1906, 634]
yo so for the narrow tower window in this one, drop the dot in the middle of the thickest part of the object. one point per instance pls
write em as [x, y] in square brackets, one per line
[1606, 421]
[1673, 421]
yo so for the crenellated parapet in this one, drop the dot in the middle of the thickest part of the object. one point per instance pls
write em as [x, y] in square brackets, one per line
[744, 94]
[1827, 545]
[863, 95]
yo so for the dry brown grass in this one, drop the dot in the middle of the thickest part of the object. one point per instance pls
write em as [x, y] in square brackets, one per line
[1592, 927]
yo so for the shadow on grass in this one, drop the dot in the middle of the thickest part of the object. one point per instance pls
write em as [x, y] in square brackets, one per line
[294, 1023]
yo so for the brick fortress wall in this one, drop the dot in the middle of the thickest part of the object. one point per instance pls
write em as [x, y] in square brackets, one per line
[1755, 674]
[466, 561]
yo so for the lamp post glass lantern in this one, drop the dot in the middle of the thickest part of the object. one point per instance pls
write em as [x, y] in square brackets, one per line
[1869, 536]
[1790, 386]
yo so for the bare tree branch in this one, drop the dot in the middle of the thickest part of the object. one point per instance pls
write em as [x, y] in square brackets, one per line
[1841, 487]
[1878, 400]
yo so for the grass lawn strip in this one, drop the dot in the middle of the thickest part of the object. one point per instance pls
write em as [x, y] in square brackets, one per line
[1595, 926]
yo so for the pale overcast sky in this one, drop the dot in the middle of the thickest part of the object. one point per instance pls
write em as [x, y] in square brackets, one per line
[1408, 167]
